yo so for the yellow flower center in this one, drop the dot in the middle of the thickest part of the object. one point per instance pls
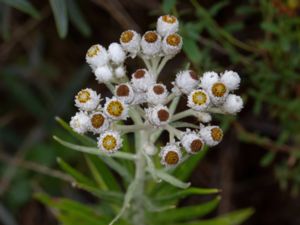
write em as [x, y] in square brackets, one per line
[150, 36]
[93, 50]
[97, 120]
[127, 36]
[115, 108]
[173, 39]
[83, 96]
[109, 142]
[218, 89]
[169, 19]
[172, 158]
[216, 134]
[199, 98]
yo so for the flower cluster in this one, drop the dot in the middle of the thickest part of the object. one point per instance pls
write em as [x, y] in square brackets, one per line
[143, 95]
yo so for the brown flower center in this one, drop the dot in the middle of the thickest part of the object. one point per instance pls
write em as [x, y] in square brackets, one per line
[169, 19]
[218, 89]
[83, 96]
[172, 158]
[139, 74]
[193, 75]
[150, 36]
[173, 39]
[158, 89]
[122, 90]
[163, 115]
[97, 120]
[127, 36]
[196, 145]
[216, 134]
[109, 142]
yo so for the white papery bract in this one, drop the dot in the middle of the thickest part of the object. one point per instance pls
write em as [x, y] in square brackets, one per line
[186, 81]
[98, 122]
[231, 79]
[120, 72]
[212, 135]
[79, 122]
[192, 142]
[103, 74]
[198, 100]
[125, 93]
[157, 94]
[172, 44]
[150, 149]
[116, 53]
[115, 109]
[109, 142]
[208, 79]
[130, 41]
[170, 155]
[167, 24]
[233, 104]
[151, 44]
[158, 115]
[87, 99]
[96, 56]
[141, 80]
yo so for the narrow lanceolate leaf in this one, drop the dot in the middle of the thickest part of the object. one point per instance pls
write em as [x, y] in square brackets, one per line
[186, 213]
[172, 180]
[94, 151]
[24, 6]
[59, 8]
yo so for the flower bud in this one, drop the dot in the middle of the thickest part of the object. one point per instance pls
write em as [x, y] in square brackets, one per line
[103, 74]
[231, 79]
[233, 104]
[186, 81]
[96, 56]
[79, 122]
[116, 53]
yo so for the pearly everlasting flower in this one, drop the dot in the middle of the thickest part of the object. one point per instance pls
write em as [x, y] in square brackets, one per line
[231, 79]
[157, 94]
[186, 81]
[115, 109]
[109, 142]
[218, 92]
[233, 104]
[150, 149]
[130, 41]
[116, 53]
[98, 122]
[198, 100]
[141, 80]
[151, 43]
[125, 93]
[170, 155]
[208, 79]
[87, 99]
[212, 135]
[103, 74]
[158, 115]
[79, 122]
[120, 71]
[96, 56]
[167, 24]
[172, 44]
[192, 142]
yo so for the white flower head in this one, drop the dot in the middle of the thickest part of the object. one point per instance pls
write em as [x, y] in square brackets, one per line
[125, 93]
[192, 142]
[158, 115]
[96, 56]
[172, 44]
[98, 122]
[205, 117]
[150, 149]
[198, 100]
[120, 71]
[109, 142]
[103, 74]
[167, 24]
[151, 43]
[79, 122]
[141, 80]
[130, 41]
[212, 135]
[87, 99]
[186, 81]
[115, 109]
[233, 104]
[218, 92]
[157, 94]
[116, 53]
[231, 79]
[170, 155]
[208, 79]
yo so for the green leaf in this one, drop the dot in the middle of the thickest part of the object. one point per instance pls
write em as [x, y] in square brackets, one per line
[24, 6]
[59, 8]
[267, 159]
[168, 5]
[233, 218]
[217, 7]
[186, 213]
[192, 50]
[5, 16]
[74, 173]
[77, 18]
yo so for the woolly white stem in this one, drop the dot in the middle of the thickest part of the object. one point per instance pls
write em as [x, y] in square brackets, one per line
[162, 64]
